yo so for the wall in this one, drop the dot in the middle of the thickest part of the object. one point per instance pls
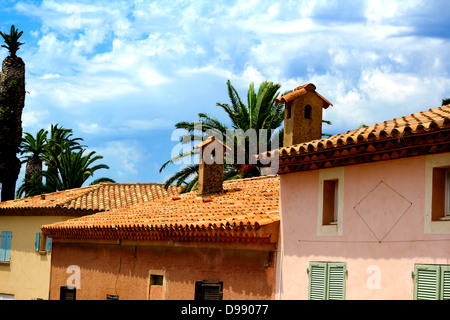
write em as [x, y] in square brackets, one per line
[382, 230]
[125, 270]
[28, 274]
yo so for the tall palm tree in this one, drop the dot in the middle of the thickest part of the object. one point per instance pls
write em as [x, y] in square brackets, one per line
[33, 148]
[67, 166]
[60, 140]
[12, 101]
[73, 169]
[260, 112]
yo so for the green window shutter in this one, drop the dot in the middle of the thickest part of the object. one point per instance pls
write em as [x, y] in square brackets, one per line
[5, 246]
[445, 283]
[48, 245]
[317, 281]
[426, 282]
[37, 243]
[2, 246]
[336, 274]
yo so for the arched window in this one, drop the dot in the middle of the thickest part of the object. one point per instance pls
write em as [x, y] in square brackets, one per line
[308, 111]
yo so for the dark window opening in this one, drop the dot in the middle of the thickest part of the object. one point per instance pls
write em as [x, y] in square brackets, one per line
[308, 110]
[288, 111]
[67, 293]
[156, 280]
[330, 202]
[208, 290]
[440, 209]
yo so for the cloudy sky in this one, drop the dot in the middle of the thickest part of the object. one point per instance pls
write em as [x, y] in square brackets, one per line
[122, 73]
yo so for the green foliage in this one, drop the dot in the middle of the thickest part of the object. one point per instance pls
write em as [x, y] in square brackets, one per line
[260, 112]
[445, 101]
[68, 165]
[34, 145]
[12, 40]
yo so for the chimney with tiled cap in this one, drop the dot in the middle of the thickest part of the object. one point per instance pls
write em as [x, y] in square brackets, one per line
[303, 115]
[210, 172]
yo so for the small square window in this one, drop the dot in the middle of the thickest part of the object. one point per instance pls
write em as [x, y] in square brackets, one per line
[156, 280]
[67, 293]
[208, 290]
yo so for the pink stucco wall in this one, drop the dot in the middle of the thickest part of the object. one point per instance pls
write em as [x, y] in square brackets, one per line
[125, 270]
[383, 230]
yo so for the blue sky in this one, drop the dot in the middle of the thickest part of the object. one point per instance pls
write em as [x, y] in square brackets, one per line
[122, 73]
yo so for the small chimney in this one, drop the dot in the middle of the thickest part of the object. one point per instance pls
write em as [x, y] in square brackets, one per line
[303, 115]
[210, 173]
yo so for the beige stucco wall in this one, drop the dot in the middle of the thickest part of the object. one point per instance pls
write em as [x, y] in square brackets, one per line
[124, 270]
[382, 230]
[27, 275]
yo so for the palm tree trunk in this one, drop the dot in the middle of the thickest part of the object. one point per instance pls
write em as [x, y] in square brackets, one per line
[12, 101]
[34, 165]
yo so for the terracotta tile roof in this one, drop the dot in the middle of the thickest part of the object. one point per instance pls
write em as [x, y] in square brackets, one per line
[87, 200]
[241, 211]
[299, 91]
[422, 133]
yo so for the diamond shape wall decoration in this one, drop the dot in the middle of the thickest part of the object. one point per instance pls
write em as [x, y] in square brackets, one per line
[381, 209]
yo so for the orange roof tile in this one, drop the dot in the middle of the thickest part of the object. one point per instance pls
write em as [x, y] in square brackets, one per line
[426, 132]
[301, 90]
[246, 204]
[87, 200]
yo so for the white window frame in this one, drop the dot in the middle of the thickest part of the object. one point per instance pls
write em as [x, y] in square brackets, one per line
[447, 194]
[441, 226]
[336, 228]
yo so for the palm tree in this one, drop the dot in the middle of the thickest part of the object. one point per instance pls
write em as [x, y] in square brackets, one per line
[74, 168]
[445, 101]
[67, 166]
[260, 112]
[34, 148]
[12, 101]
[60, 140]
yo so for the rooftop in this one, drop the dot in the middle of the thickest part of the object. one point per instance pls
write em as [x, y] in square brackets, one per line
[422, 133]
[240, 212]
[87, 200]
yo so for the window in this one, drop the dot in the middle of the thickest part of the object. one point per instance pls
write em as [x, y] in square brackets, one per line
[156, 280]
[6, 296]
[330, 202]
[308, 110]
[67, 293]
[432, 282]
[208, 290]
[5, 246]
[42, 243]
[330, 214]
[288, 111]
[437, 194]
[447, 194]
[327, 280]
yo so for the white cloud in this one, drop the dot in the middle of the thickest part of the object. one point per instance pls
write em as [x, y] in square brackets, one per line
[114, 68]
[33, 118]
[123, 157]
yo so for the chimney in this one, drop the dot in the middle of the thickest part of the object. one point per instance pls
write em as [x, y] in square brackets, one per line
[210, 173]
[303, 115]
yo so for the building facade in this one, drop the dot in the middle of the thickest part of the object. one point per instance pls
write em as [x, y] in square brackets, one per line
[366, 214]
[189, 247]
[25, 252]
